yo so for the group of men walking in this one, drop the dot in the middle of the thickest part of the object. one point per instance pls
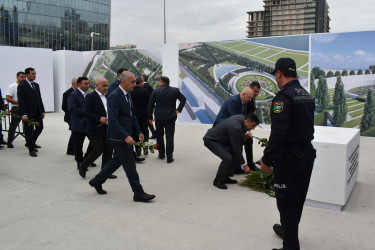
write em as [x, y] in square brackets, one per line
[114, 121]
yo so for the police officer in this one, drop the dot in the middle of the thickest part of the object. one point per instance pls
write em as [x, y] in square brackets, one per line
[289, 150]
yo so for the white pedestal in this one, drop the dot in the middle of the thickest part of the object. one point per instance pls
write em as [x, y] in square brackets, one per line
[336, 167]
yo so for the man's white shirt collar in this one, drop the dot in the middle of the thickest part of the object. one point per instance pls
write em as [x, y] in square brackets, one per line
[82, 92]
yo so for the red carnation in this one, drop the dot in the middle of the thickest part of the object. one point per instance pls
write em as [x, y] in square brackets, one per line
[38, 125]
[156, 146]
[6, 105]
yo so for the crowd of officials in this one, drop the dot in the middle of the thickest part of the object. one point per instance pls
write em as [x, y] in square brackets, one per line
[113, 117]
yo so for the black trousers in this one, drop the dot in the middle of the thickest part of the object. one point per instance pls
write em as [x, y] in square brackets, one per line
[249, 151]
[123, 155]
[31, 133]
[291, 179]
[100, 146]
[151, 127]
[225, 153]
[79, 139]
[144, 128]
[169, 127]
[16, 118]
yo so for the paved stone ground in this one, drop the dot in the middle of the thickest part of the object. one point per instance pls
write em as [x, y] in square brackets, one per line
[45, 204]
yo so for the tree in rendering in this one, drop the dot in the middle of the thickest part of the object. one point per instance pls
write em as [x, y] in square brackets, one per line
[340, 109]
[368, 118]
[322, 94]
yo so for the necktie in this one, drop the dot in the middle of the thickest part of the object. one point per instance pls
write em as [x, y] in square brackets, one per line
[33, 86]
[130, 106]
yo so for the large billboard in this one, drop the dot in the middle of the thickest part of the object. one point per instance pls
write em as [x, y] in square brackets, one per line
[211, 72]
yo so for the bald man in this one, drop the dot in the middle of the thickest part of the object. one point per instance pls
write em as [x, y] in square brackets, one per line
[234, 105]
[95, 112]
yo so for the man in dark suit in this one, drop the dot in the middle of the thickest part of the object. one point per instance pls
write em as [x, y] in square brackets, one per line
[31, 109]
[251, 106]
[225, 140]
[166, 113]
[116, 82]
[122, 122]
[95, 112]
[140, 97]
[70, 150]
[77, 119]
[149, 88]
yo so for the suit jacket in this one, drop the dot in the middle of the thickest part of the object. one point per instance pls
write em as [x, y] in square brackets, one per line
[29, 100]
[165, 98]
[122, 119]
[149, 88]
[232, 106]
[93, 109]
[229, 132]
[64, 105]
[113, 86]
[75, 107]
[140, 97]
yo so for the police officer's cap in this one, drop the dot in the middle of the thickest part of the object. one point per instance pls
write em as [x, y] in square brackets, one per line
[285, 64]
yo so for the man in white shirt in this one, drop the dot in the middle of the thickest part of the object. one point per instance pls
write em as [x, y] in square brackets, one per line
[95, 112]
[12, 98]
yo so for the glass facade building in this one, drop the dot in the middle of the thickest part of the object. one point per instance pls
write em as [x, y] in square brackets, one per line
[56, 24]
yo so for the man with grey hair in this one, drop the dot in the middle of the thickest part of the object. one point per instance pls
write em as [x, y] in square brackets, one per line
[64, 107]
[122, 122]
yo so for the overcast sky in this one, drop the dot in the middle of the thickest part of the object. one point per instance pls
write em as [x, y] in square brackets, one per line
[140, 22]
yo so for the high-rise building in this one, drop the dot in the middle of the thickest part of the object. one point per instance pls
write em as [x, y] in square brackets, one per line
[57, 24]
[289, 17]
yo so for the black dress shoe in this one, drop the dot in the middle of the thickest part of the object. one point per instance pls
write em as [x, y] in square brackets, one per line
[10, 145]
[170, 160]
[1, 146]
[162, 157]
[138, 159]
[4, 142]
[219, 184]
[277, 248]
[254, 168]
[35, 148]
[278, 230]
[112, 176]
[70, 153]
[33, 153]
[98, 187]
[143, 197]
[93, 165]
[82, 171]
[230, 181]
